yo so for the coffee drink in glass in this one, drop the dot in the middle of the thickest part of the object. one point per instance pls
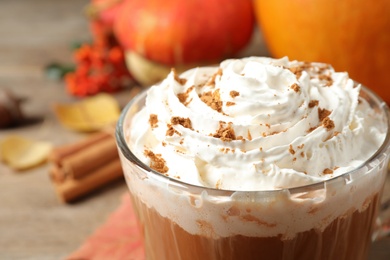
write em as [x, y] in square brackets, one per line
[256, 158]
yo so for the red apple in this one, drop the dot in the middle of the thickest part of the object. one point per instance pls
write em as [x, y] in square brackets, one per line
[177, 32]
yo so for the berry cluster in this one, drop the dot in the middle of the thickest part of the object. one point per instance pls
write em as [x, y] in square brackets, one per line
[100, 67]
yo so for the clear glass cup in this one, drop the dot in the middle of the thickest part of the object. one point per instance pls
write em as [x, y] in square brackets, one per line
[333, 219]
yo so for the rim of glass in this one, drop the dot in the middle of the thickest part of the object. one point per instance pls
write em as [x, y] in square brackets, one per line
[122, 144]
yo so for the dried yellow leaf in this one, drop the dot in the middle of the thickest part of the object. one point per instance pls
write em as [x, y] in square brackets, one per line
[21, 153]
[90, 114]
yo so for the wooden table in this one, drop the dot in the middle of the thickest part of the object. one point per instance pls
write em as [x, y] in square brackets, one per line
[34, 224]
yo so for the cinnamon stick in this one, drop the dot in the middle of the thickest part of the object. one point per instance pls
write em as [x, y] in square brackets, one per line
[90, 158]
[59, 153]
[72, 189]
[56, 174]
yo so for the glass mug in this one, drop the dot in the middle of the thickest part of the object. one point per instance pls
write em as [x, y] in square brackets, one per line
[333, 219]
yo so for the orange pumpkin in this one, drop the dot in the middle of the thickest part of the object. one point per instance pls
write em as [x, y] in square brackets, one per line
[352, 35]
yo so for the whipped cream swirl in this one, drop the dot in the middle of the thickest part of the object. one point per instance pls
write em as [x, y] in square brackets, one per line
[256, 124]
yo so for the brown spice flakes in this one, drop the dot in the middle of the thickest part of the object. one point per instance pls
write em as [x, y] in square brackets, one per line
[157, 163]
[227, 150]
[249, 135]
[324, 67]
[213, 100]
[179, 151]
[291, 150]
[234, 93]
[184, 96]
[153, 120]
[297, 71]
[181, 81]
[171, 131]
[224, 150]
[323, 113]
[327, 171]
[300, 68]
[225, 132]
[323, 116]
[328, 79]
[313, 103]
[229, 103]
[328, 123]
[185, 122]
[241, 138]
[336, 133]
[211, 81]
[311, 129]
[295, 87]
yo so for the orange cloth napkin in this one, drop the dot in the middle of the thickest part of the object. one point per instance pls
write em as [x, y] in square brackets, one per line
[117, 239]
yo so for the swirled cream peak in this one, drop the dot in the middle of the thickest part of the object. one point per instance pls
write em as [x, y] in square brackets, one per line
[256, 124]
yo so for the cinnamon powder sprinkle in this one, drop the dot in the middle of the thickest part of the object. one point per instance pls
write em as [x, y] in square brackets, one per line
[323, 113]
[249, 135]
[313, 103]
[171, 131]
[153, 120]
[211, 81]
[291, 150]
[297, 71]
[327, 171]
[295, 87]
[328, 79]
[225, 132]
[234, 93]
[241, 138]
[184, 96]
[157, 163]
[213, 100]
[300, 68]
[185, 122]
[181, 81]
[311, 129]
[328, 123]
